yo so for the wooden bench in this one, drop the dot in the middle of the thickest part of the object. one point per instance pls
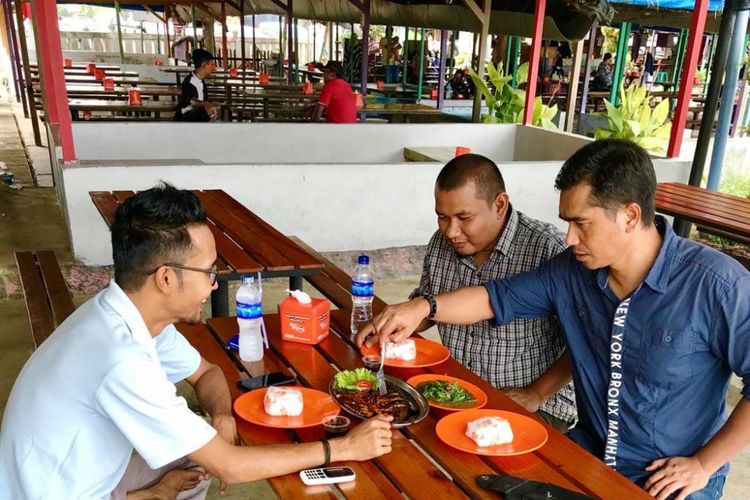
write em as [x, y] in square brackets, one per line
[334, 283]
[48, 300]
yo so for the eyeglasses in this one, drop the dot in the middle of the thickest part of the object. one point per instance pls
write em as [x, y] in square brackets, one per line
[213, 273]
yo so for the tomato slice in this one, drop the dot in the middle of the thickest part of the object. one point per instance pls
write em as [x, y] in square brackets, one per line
[363, 385]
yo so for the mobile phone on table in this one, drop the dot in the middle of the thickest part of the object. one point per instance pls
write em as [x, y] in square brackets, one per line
[269, 379]
[327, 475]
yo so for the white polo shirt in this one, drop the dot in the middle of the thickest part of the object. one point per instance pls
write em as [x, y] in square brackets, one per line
[97, 388]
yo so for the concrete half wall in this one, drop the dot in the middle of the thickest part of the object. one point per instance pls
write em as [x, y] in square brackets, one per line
[332, 207]
[286, 143]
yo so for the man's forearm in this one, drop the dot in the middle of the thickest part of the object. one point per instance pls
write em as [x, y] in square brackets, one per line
[213, 393]
[732, 438]
[554, 379]
[463, 306]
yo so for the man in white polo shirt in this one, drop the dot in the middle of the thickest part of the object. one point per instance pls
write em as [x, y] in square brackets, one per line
[94, 412]
[193, 104]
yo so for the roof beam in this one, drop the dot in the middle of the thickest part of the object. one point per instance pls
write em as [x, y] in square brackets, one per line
[358, 4]
[474, 7]
[280, 4]
[157, 16]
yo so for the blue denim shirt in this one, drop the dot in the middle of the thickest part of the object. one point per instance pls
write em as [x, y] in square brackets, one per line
[687, 330]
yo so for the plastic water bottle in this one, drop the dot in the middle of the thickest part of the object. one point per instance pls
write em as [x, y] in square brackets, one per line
[363, 291]
[250, 319]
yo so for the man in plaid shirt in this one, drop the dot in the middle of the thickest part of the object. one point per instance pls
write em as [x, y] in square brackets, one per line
[481, 237]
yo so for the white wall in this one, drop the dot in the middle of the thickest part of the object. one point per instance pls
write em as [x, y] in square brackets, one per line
[538, 144]
[283, 142]
[332, 207]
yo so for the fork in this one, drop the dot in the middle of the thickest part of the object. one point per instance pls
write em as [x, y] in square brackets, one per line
[381, 374]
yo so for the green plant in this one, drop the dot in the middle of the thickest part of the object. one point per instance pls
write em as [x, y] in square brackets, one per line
[634, 120]
[700, 75]
[610, 39]
[506, 103]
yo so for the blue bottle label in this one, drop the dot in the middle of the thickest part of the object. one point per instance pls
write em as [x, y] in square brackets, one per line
[363, 288]
[249, 311]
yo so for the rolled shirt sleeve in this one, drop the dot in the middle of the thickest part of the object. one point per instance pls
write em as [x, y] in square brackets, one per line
[526, 295]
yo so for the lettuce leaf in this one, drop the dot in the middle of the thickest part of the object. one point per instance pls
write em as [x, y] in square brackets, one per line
[347, 379]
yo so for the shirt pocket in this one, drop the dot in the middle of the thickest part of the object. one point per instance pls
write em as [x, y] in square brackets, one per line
[668, 356]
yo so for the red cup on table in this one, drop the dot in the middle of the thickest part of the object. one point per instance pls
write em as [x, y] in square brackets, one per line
[90, 68]
[68, 62]
[109, 84]
[307, 88]
[87, 114]
[434, 93]
[380, 84]
[134, 97]
[233, 72]
[157, 62]
[99, 74]
[462, 150]
[263, 79]
[310, 67]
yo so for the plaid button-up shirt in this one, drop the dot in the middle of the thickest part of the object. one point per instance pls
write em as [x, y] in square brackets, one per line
[509, 356]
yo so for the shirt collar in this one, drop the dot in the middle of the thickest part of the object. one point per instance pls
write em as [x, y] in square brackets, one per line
[658, 276]
[116, 298]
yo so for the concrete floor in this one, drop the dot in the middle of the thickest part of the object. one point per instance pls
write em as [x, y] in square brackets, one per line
[31, 219]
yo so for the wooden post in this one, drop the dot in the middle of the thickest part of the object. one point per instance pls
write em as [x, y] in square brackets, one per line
[15, 58]
[589, 56]
[296, 50]
[441, 70]
[365, 48]
[242, 34]
[49, 58]
[119, 32]
[421, 65]
[697, 27]
[484, 19]
[290, 42]
[27, 75]
[255, 47]
[166, 30]
[405, 52]
[575, 75]
[536, 43]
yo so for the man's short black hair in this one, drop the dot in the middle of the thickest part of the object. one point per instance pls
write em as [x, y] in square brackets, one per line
[618, 171]
[607, 55]
[472, 167]
[151, 229]
[201, 56]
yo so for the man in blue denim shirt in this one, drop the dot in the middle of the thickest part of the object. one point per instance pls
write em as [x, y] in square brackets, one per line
[655, 325]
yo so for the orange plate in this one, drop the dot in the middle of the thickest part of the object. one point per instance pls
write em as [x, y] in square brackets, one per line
[429, 353]
[479, 395]
[318, 405]
[528, 434]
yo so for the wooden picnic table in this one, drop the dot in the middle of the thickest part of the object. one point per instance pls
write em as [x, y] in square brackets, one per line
[154, 91]
[129, 80]
[245, 243]
[722, 214]
[402, 111]
[155, 108]
[84, 66]
[420, 466]
[81, 72]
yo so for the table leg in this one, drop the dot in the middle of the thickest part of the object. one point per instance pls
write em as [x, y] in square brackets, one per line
[296, 282]
[220, 300]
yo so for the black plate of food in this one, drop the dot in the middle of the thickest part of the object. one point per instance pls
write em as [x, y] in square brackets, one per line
[356, 391]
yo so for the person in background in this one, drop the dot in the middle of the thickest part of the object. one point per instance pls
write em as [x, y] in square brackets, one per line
[336, 98]
[193, 105]
[603, 78]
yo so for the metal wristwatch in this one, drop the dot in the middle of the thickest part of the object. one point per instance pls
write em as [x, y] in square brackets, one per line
[433, 304]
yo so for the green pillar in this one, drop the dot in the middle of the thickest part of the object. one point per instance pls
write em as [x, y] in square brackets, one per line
[680, 56]
[622, 54]
[405, 53]
[421, 66]
[514, 61]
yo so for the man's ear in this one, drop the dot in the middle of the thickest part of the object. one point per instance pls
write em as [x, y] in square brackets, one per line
[633, 216]
[501, 204]
[165, 280]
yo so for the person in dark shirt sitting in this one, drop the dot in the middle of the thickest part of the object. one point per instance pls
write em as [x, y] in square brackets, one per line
[193, 105]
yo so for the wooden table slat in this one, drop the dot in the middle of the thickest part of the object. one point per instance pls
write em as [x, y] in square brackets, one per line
[421, 479]
[36, 303]
[709, 212]
[699, 193]
[248, 237]
[232, 254]
[106, 204]
[300, 258]
[731, 204]
[57, 291]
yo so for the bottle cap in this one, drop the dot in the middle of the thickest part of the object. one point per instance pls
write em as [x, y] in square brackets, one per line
[248, 279]
[363, 260]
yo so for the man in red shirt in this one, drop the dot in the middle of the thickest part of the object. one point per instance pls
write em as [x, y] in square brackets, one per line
[336, 97]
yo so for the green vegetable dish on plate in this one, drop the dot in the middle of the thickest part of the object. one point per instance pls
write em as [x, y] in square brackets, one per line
[446, 393]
